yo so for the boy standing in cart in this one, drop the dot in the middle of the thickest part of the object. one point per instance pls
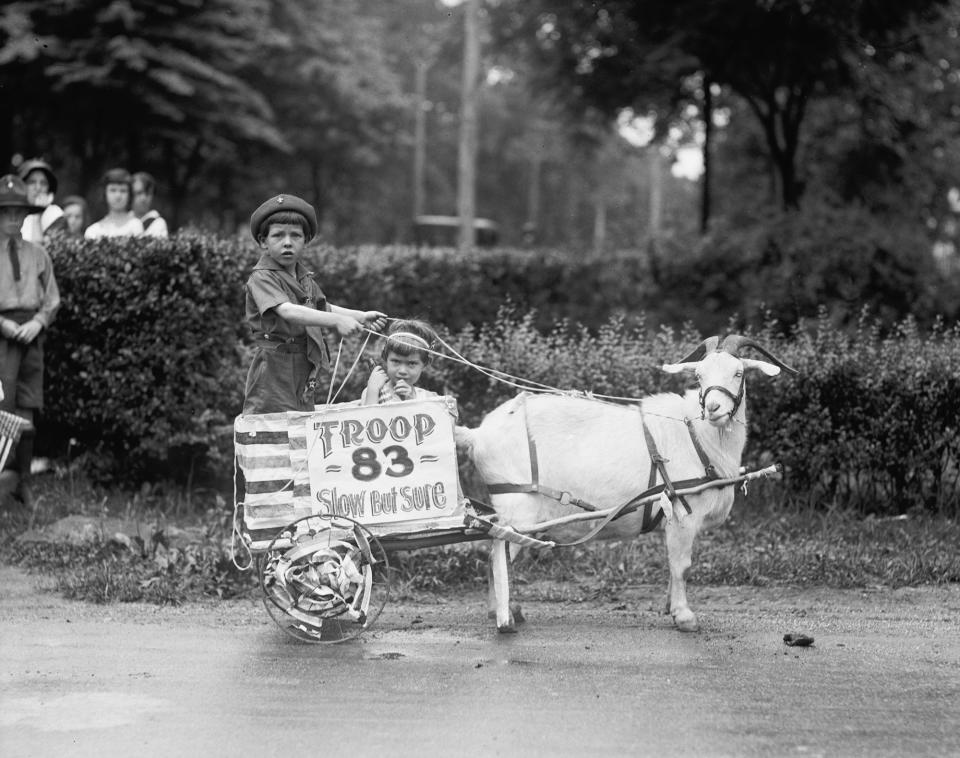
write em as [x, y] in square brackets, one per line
[29, 299]
[288, 311]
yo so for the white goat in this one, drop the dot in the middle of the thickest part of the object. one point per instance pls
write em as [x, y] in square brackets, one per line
[543, 456]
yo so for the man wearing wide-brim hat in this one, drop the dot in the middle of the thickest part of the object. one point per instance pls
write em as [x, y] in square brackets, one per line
[29, 299]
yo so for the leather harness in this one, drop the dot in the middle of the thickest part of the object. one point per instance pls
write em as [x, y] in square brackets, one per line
[658, 466]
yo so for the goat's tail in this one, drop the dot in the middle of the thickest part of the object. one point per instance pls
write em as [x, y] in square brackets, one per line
[464, 440]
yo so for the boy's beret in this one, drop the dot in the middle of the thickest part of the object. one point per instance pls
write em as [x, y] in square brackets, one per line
[35, 164]
[290, 203]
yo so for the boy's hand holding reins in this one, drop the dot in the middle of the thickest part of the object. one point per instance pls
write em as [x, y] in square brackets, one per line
[375, 320]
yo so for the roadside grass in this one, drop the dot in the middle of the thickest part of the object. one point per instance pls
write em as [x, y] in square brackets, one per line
[759, 545]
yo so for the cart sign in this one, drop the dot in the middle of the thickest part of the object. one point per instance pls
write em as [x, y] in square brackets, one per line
[383, 463]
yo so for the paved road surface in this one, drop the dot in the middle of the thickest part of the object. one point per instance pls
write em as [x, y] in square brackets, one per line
[434, 679]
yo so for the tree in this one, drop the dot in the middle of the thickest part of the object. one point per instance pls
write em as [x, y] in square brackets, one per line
[109, 83]
[339, 101]
[776, 54]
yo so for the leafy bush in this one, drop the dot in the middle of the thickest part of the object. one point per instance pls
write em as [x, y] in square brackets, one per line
[447, 287]
[791, 266]
[870, 423]
[147, 359]
[143, 363]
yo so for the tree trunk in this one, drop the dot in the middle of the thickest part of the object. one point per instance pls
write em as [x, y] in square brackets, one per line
[533, 195]
[707, 141]
[420, 136]
[781, 128]
[656, 191]
[599, 226]
[466, 186]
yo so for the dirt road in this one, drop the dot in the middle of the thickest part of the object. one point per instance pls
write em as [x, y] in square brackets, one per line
[591, 678]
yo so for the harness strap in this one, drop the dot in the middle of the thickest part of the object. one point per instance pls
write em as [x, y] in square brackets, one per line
[709, 470]
[649, 522]
[533, 486]
[660, 464]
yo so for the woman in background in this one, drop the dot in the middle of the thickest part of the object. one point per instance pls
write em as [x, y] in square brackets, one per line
[120, 220]
[41, 186]
[144, 187]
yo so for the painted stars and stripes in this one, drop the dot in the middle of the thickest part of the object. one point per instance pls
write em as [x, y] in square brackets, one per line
[11, 427]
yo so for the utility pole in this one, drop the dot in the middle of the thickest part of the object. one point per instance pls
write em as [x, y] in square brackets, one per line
[420, 135]
[707, 168]
[467, 163]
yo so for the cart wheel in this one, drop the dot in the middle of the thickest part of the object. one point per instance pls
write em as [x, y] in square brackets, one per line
[324, 579]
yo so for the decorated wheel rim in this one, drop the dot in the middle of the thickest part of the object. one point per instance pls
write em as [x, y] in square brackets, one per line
[324, 579]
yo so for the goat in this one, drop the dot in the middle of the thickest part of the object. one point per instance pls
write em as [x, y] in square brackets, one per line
[582, 448]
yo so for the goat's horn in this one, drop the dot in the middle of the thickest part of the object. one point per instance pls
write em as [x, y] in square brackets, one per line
[734, 343]
[707, 346]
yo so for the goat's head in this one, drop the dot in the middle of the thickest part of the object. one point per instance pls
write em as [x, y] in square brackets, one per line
[720, 373]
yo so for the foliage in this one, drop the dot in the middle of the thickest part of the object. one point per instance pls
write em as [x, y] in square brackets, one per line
[147, 359]
[777, 55]
[760, 545]
[789, 266]
[873, 424]
[869, 425]
[205, 88]
[143, 367]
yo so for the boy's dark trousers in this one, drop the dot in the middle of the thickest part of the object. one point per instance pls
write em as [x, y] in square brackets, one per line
[23, 363]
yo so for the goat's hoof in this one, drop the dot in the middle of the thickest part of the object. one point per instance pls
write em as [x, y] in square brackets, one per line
[507, 628]
[517, 613]
[686, 622]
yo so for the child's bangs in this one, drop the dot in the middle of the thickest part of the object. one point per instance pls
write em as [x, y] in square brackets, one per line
[403, 348]
[286, 217]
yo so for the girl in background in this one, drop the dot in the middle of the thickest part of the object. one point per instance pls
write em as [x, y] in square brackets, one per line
[120, 220]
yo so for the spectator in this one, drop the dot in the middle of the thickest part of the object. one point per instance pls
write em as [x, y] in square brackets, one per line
[29, 299]
[41, 186]
[77, 216]
[120, 220]
[144, 186]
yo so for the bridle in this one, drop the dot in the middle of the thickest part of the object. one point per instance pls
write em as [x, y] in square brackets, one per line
[737, 399]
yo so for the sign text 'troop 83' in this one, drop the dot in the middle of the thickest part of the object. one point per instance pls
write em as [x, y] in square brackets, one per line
[383, 463]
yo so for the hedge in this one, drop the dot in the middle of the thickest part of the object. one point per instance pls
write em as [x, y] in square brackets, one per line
[144, 361]
[147, 358]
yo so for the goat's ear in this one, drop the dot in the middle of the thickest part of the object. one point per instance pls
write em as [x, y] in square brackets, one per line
[677, 368]
[767, 368]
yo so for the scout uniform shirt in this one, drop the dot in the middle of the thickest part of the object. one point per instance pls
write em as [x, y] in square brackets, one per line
[28, 290]
[289, 356]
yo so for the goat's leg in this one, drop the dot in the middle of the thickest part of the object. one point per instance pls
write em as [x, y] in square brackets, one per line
[498, 593]
[679, 538]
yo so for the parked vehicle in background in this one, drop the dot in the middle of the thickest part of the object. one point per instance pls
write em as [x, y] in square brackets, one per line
[443, 231]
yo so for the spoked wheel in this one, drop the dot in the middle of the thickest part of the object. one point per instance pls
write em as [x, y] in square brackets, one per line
[324, 579]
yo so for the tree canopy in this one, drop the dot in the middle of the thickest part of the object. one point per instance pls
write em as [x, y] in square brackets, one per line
[775, 54]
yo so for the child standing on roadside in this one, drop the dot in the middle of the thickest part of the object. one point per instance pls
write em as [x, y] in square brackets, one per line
[406, 353]
[29, 300]
[287, 311]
